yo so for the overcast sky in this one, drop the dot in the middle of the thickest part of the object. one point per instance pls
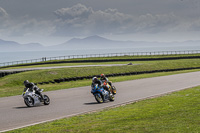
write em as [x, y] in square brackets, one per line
[55, 21]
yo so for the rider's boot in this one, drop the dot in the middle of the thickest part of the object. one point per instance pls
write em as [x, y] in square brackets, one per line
[42, 97]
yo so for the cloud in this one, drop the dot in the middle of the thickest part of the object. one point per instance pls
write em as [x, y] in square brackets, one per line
[32, 27]
[77, 11]
[4, 21]
[3, 13]
[156, 23]
[79, 20]
[82, 20]
[25, 27]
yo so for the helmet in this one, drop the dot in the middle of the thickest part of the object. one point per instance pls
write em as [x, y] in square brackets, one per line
[102, 76]
[94, 79]
[26, 82]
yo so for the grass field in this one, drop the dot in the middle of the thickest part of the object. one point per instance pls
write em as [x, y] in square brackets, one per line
[13, 84]
[177, 112]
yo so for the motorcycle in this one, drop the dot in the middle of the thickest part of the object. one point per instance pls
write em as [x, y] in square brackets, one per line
[111, 88]
[101, 95]
[32, 99]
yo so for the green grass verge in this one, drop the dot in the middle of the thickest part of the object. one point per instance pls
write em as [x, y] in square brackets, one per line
[65, 64]
[13, 84]
[56, 62]
[177, 112]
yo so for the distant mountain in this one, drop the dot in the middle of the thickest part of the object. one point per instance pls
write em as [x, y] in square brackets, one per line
[8, 43]
[97, 42]
[91, 39]
[14, 46]
[93, 42]
[32, 45]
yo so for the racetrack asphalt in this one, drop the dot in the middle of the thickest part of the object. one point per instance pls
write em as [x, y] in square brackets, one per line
[69, 102]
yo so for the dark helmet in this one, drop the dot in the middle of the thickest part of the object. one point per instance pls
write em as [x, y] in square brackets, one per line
[26, 82]
[94, 79]
[102, 76]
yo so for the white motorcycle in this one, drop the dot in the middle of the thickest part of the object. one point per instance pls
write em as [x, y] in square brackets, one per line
[32, 99]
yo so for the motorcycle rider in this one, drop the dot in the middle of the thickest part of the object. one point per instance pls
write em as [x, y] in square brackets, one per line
[95, 80]
[32, 87]
[103, 79]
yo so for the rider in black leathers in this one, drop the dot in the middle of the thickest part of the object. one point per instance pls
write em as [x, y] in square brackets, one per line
[32, 87]
[95, 80]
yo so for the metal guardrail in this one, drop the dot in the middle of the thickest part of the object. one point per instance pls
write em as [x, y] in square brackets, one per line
[43, 59]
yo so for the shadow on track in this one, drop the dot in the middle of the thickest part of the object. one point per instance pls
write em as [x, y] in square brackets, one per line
[25, 107]
[92, 103]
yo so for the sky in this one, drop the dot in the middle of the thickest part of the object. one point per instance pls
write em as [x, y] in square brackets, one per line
[52, 22]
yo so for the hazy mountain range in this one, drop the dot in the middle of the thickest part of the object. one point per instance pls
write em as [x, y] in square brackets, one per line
[15, 46]
[92, 42]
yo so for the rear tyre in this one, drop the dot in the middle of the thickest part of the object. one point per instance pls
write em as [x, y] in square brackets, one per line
[29, 101]
[46, 100]
[98, 98]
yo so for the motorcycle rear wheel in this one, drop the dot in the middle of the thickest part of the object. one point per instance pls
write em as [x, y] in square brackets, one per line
[46, 100]
[29, 101]
[99, 98]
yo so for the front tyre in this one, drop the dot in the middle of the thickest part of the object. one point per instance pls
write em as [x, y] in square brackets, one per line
[98, 98]
[112, 97]
[114, 90]
[29, 101]
[46, 100]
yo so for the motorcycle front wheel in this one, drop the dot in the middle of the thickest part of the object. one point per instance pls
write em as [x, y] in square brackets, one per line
[98, 98]
[29, 101]
[46, 100]
[112, 97]
[114, 90]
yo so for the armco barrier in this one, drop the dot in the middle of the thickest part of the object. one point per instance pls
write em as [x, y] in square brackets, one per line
[107, 60]
[44, 59]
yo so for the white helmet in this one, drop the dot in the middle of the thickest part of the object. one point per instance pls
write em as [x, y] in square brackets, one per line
[94, 79]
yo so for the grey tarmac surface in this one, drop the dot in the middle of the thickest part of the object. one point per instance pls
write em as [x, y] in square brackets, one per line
[69, 102]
